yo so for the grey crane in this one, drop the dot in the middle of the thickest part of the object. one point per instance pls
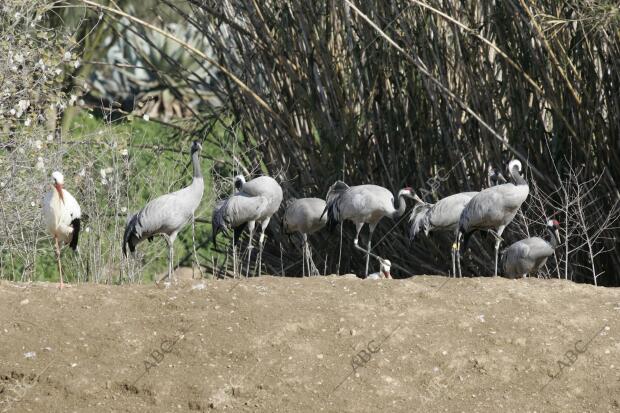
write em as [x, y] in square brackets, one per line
[492, 209]
[445, 214]
[167, 214]
[529, 254]
[363, 204]
[305, 216]
[254, 202]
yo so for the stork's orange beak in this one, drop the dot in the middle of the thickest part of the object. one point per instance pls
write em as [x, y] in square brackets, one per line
[59, 190]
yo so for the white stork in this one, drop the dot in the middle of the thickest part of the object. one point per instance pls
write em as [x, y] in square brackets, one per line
[62, 214]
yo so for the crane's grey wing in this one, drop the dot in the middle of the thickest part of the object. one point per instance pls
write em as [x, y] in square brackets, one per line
[516, 259]
[484, 210]
[241, 209]
[523, 256]
[237, 210]
[261, 186]
[305, 215]
[539, 248]
[164, 214]
[446, 213]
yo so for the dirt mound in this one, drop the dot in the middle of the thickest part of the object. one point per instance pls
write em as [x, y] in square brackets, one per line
[316, 344]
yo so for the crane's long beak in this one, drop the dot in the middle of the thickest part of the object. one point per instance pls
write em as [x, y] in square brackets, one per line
[557, 236]
[59, 190]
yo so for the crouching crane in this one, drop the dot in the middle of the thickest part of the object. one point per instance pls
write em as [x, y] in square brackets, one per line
[61, 214]
[168, 214]
[528, 255]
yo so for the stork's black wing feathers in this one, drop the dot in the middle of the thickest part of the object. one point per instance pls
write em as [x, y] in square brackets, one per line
[75, 224]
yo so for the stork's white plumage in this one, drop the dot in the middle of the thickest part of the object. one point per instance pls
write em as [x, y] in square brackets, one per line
[61, 214]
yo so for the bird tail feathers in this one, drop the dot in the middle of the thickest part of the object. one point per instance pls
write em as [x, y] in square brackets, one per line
[75, 224]
[130, 237]
[218, 219]
[332, 207]
[420, 220]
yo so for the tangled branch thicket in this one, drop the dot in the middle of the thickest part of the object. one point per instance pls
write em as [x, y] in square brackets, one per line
[346, 102]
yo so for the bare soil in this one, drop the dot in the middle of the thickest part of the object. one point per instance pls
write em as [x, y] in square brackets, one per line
[330, 344]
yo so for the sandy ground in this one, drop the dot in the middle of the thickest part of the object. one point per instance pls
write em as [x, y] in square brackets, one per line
[317, 344]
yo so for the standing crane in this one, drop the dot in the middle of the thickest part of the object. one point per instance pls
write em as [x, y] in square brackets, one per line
[168, 214]
[254, 202]
[529, 254]
[363, 204]
[305, 216]
[492, 209]
[61, 214]
[444, 215]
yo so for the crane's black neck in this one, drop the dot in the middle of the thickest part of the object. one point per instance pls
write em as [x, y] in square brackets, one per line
[554, 241]
[402, 206]
[196, 164]
[516, 177]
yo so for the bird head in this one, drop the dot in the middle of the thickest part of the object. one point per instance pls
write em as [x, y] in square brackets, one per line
[495, 176]
[239, 181]
[385, 267]
[515, 163]
[196, 146]
[554, 226]
[58, 182]
[409, 193]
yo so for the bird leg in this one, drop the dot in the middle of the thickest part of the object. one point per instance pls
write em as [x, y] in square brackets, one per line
[372, 229]
[453, 253]
[303, 258]
[260, 244]
[260, 252]
[57, 249]
[498, 240]
[458, 254]
[251, 228]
